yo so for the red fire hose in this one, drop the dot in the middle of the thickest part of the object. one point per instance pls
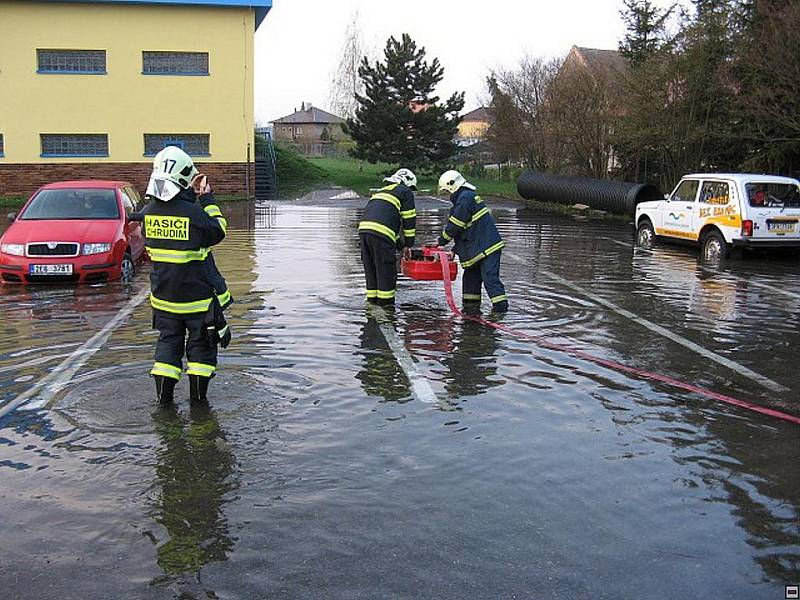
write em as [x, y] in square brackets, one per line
[641, 373]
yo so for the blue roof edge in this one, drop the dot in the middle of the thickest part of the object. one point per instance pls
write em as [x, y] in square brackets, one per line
[261, 7]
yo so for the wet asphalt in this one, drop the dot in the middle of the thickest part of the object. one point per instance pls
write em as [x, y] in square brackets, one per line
[350, 453]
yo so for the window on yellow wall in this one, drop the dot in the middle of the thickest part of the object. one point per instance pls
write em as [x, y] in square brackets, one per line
[194, 144]
[2, 147]
[74, 144]
[174, 63]
[71, 62]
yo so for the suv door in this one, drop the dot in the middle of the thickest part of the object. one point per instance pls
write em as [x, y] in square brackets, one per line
[718, 206]
[679, 212]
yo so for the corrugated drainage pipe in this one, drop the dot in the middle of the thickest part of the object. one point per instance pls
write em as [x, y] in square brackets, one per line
[611, 196]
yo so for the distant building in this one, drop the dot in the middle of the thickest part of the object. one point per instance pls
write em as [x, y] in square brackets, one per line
[473, 126]
[605, 67]
[310, 130]
[96, 89]
[603, 71]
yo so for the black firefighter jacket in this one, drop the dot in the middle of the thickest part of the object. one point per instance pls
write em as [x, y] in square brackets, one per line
[391, 213]
[178, 235]
[472, 228]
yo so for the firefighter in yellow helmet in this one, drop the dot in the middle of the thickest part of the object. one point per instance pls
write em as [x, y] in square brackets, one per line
[389, 224]
[179, 233]
[477, 242]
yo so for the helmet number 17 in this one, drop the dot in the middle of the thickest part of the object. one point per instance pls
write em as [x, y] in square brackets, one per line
[169, 164]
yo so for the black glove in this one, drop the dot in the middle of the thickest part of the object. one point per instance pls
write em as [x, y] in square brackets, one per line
[225, 338]
[216, 327]
[441, 241]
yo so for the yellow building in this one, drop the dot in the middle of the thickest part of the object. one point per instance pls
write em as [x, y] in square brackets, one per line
[473, 126]
[95, 89]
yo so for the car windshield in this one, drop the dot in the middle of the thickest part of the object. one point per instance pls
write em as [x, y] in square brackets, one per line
[773, 195]
[70, 204]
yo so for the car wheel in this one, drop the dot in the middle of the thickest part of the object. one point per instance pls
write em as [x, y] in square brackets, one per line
[645, 234]
[713, 248]
[127, 268]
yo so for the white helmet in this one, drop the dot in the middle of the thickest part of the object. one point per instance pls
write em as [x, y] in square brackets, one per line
[404, 176]
[451, 181]
[173, 170]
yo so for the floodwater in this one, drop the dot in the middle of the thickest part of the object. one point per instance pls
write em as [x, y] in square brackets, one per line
[359, 454]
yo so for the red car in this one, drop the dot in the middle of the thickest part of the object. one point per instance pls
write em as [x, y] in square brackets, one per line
[73, 231]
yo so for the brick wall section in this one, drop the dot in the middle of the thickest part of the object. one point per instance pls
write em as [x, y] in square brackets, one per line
[23, 180]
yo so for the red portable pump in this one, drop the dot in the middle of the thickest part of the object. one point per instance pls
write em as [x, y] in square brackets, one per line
[423, 264]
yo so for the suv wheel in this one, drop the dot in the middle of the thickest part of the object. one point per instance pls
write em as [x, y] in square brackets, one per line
[127, 268]
[713, 248]
[645, 234]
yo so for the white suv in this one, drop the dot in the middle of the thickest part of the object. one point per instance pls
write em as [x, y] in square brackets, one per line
[719, 211]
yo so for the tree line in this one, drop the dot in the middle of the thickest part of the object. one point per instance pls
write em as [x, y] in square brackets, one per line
[714, 88]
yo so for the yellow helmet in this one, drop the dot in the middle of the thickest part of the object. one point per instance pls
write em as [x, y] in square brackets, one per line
[451, 181]
[404, 176]
[173, 170]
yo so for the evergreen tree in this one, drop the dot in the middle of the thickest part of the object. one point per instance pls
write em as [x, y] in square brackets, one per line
[399, 119]
[645, 24]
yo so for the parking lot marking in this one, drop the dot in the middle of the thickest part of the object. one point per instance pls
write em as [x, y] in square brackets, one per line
[47, 387]
[420, 387]
[678, 339]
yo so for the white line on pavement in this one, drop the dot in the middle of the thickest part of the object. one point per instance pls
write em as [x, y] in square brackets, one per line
[49, 385]
[734, 366]
[420, 387]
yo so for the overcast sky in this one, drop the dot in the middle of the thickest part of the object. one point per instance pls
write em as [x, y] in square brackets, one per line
[298, 45]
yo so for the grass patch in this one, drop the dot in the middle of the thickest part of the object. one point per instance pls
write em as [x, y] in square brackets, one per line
[12, 201]
[361, 177]
[356, 175]
[296, 175]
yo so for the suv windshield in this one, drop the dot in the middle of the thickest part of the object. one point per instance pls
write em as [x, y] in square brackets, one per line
[72, 204]
[779, 195]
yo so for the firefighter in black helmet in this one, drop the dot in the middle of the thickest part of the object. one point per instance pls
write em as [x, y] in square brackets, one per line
[389, 224]
[178, 235]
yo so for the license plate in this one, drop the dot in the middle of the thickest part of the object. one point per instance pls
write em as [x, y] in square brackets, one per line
[781, 226]
[63, 269]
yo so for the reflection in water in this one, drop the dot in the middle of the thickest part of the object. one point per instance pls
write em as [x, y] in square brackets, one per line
[472, 363]
[381, 374]
[195, 470]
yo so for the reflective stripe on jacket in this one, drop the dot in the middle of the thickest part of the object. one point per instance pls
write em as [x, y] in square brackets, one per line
[391, 213]
[178, 235]
[472, 228]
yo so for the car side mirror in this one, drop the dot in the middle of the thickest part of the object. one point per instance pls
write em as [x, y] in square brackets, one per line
[666, 197]
[12, 216]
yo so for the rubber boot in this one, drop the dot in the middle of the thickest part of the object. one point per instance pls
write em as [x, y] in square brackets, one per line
[165, 388]
[500, 307]
[198, 388]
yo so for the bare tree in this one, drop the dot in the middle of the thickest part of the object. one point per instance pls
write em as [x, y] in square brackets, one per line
[578, 119]
[345, 82]
[518, 96]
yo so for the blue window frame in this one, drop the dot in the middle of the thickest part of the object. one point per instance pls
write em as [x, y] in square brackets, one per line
[71, 62]
[74, 144]
[194, 144]
[174, 63]
[2, 146]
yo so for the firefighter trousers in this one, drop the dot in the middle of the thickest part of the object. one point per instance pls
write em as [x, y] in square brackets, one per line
[380, 268]
[487, 273]
[201, 351]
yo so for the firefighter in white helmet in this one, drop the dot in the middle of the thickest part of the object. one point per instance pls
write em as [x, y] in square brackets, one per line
[477, 242]
[389, 224]
[179, 233]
